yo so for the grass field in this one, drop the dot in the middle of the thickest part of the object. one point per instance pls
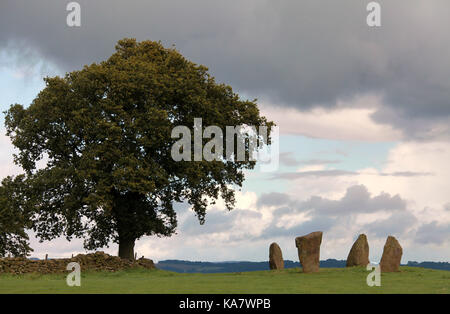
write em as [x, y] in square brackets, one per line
[328, 280]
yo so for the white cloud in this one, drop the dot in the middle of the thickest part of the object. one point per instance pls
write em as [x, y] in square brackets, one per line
[429, 191]
[350, 120]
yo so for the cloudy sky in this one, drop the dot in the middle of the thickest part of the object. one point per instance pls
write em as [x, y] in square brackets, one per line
[364, 114]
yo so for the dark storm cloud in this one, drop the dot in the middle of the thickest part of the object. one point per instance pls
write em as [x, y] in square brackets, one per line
[294, 53]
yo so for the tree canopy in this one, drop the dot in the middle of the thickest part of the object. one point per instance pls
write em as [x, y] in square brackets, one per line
[104, 135]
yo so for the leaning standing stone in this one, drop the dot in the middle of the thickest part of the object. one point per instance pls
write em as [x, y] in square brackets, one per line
[392, 255]
[359, 253]
[308, 247]
[275, 257]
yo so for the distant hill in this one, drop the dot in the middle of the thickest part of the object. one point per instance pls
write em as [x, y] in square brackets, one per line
[432, 265]
[181, 266]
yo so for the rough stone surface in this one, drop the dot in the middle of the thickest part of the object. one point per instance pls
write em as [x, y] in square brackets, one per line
[308, 247]
[92, 262]
[392, 255]
[359, 253]
[275, 257]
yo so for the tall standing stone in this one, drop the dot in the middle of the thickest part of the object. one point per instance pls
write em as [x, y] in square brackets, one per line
[275, 257]
[359, 253]
[308, 247]
[392, 255]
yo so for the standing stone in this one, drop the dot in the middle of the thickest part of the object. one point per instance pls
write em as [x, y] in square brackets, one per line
[275, 257]
[359, 253]
[392, 255]
[308, 247]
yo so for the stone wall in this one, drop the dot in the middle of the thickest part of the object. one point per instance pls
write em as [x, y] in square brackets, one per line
[88, 262]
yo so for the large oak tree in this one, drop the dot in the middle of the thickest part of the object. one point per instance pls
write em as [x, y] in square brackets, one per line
[104, 137]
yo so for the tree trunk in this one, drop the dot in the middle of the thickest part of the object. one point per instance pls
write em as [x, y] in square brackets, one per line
[126, 248]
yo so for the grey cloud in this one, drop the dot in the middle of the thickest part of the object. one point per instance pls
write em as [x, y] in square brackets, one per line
[273, 198]
[216, 221]
[294, 53]
[288, 159]
[279, 212]
[433, 233]
[356, 200]
[314, 173]
[337, 173]
[318, 162]
[406, 174]
[324, 213]
[321, 223]
[396, 224]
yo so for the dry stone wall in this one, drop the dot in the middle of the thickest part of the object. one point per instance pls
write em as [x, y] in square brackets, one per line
[98, 261]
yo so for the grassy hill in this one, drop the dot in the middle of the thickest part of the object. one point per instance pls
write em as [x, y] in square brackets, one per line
[328, 280]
